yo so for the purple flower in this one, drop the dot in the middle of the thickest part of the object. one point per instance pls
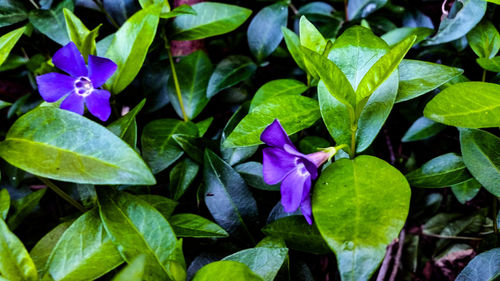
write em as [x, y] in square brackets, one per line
[81, 85]
[282, 162]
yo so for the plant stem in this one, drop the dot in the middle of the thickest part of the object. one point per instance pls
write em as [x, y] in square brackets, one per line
[399, 253]
[453, 237]
[294, 9]
[176, 80]
[352, 151]
[35, 4]
[495, 212]
[63, 194]
[484, 75]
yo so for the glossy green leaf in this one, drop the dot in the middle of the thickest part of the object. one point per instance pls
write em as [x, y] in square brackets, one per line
[298, 234]
[264, 261]
[130, 45]
[7, 42]
[181, 177]
[211, 19]
[397, 35]
[418, 77]
[252, 174]
[51, 22]
[264, 32]
[421, 129]
[485, 266]
[23, 207]
[4, 203]
[183, 9]
[466, 191]
[165, 6]
[492, 64]
[293, 44]
[82, 152]
[362, 8]
[227, 196]
[162, 204]
[78, 33]
[96, 253]
[12, 11]
[137, 228]
[442, 171]
[229, 72]
[311, 144]
[277, 88]
[372, 200]
[494, 1]
[464, 15]
[467, 104]
[133, 271]
[15, 262]
[125, 124]
[204, 125]
[192, 145]
[484, 39]
[194, 73]
[226, 271]
[158, 147]
[310, 37]
[191, 225]
[295, 113]
[482, 157]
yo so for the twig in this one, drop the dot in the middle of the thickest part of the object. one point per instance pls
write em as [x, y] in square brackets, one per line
[35, 4]
[389, 147]
[453, 237]
[63, 194]
[387, 261]
[399, 253]
[294, 9]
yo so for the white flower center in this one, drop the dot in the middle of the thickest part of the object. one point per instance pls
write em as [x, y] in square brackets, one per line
[83, 86]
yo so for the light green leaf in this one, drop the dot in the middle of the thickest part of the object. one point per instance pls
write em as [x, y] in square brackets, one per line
[372, 199]
[183, 9]
[466, 190]
[264, 32]
[83, 38]
[51, 22]
[419, 77]
[130, 45]
[264, 261]
[310, 37]
[226, 271]
[126, 125]
[211, 19]
[494, 1]
[191, 225]
[293, 44]
[295, 113]
[65, 146]
[492, 64]
[15, 262]
[484, 39]
[181, 177]
[84, 252]
[133, 271]
[277, 88]
[4, 203]
[4, 104]
[204, 125]
[22, 207]
[159, 149]
[7, 42]
[422, 128]
[467, 104]
[442, 171]
[229, 72]
[162, 204]
[482, 157]
[397, 35]
[165, 7]
[137, 228]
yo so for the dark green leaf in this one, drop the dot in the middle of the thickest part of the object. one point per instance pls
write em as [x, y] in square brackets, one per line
[362, 8]
[4, 104]
[442, 171]
[264, 261]
[252, 174]
[484, 39]
[311, 144]
[486, 266]
[226, 271]
[277, 88]
[125, 124]
[12, 11]
[191, 225]
[421, 129]
[162, 204]
[181, 177]
[204, 125]
[466, 190]
[51, 22]
[22, 207]
[7, 42]
[193, 146]
[229, 72]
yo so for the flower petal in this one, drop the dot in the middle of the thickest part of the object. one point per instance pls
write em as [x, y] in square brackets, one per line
[310, 166]
[276, 163]
[74, 102]
[100, 70]
[293, 186]
[53, 86]
[275, 135]
[305, 208]
[69, 59]
[98, 104]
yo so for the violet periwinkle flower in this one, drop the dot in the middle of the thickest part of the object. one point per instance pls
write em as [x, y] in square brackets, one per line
[282, 162]
[81, 86]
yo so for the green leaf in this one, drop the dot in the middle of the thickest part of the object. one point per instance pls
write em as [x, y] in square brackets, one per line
[183, 9]
[482, 157]
[130, 45]
[43, 248]
[397, 35]
[4, 203]
[137, 228]
[192, 145]
[418, 77]
[125, 124]
[264, 261]
[310, 37]
[204, 125]
[382, 69]
[165, 7]
[133, 271]
[7, 42]
[12, 11]
[264, 32]
[51, 22]
[211, 19]
[83, 38]
[484, 39]
[421, 129]
[485, 266]
[311, 144]
[181, 177]
[22, 207]
[230, 71]
[191, 225]
[84, 252]
[293, 44]
[159, 149]
[226, 271]
[252, 174]
[194, 73]
[15, 262]
[227, 196]
[276, 88]
[492, 64]
[361, 8]
[372, 199]
[467, 104]
[442, 171]
[162, 204]
[464, 15]
[298, 234]
[494, 1]
[466, 191]
[4, 104]
[295, 113]
[72, 148]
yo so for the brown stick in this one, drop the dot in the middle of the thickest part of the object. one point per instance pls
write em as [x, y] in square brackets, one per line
[397, 259]
[387, 262]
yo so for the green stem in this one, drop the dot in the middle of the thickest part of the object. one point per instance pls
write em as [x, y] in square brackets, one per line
[484, 75]
[63, 194]
[176, 80]
[35, 4]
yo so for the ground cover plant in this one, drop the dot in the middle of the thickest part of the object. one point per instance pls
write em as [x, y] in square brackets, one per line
[249, 140]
